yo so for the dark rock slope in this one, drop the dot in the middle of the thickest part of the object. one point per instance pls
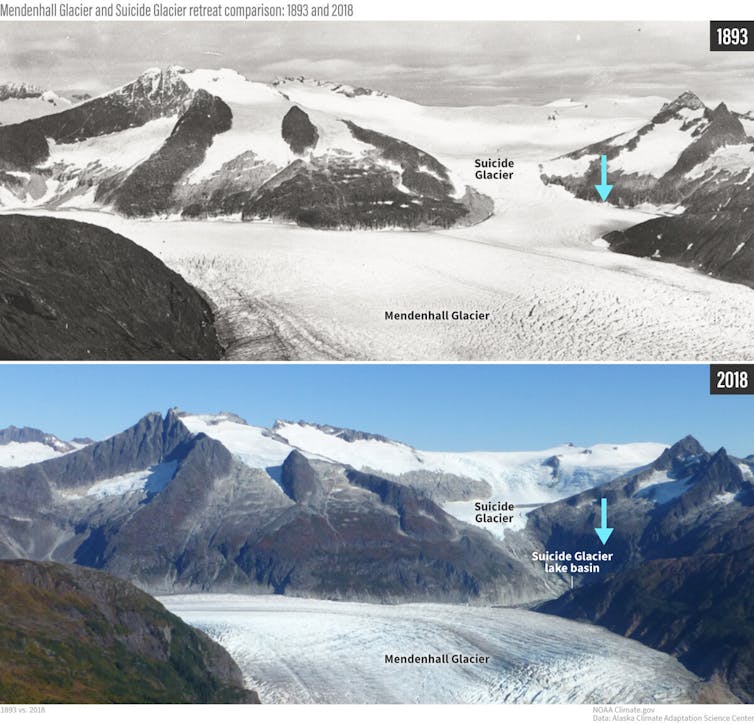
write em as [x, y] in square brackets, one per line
[72, 635]
[700, 609]
[75, 291]
[298, 131]
[720, 244]
[153, 94]
[394, 184]
[148, 189]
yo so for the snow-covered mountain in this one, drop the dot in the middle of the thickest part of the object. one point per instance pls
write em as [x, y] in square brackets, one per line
[176, 511]
[698, 160]
[212, 143]
[532, 477]
[21, 446]
[21, 101]
[287, 500]
[659, 161]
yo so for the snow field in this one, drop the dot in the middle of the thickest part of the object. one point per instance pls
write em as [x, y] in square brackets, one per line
[518, 477]
[18, 454]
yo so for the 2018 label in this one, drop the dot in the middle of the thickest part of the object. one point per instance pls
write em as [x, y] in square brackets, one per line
[731, 379]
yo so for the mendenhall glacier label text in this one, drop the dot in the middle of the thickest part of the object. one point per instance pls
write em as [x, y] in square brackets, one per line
[437, 659]
[442, 315]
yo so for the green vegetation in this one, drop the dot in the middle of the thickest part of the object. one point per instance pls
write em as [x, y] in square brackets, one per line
[72, 635]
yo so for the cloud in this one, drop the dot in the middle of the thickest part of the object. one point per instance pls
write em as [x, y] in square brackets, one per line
[330, 69]
[93, 86]
[61, 44]
[435, 63]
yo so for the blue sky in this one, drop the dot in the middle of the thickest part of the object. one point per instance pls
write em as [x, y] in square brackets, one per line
[441, 407]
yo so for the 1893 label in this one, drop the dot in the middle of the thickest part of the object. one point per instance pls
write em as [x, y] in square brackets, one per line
[731, 35]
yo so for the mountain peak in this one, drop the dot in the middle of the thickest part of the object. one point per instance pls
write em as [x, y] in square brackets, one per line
[19, 91]
[721, 110]
[682, 451]
[157, 84]
[689, 445]
[31, 434]
[687, 100]
[344, 433]
[212, 419]
[341, 88]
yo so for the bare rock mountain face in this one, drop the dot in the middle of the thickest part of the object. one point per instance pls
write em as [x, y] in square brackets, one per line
[73, 635]
[693, 157]
[176, 511]
[327, 192]
[147, 190]
[212, 143]
[70, 290]
[298, 131]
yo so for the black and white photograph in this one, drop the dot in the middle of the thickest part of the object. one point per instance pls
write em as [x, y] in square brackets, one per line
[374, 191]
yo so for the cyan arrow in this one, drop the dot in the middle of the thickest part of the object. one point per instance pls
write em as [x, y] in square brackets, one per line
[604, 188]
[603, 531]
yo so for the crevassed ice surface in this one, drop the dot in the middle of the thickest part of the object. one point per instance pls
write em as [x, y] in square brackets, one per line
[306, 651]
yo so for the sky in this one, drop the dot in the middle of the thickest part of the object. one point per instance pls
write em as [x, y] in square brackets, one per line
[432, 407]
[434, 63]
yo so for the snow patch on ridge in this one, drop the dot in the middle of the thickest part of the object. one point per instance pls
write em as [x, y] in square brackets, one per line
[151, 481]
[661, 489]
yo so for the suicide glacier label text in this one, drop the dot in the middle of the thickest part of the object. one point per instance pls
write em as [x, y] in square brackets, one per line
[494, 512]
[493, 169]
